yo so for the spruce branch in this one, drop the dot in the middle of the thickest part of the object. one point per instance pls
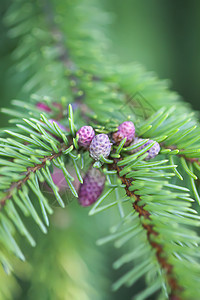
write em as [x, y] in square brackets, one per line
[30, 170]
[159, 251]
[193, 160]
[79, 73]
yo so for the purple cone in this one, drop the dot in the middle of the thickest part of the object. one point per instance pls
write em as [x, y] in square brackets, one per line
[86, 134]
[92, 187]
[44, 107]
[126, 129]
[152, 152]
[60, 181]
[100, 145]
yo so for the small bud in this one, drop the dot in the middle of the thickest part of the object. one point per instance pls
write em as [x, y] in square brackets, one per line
[92, 187]
[86, 134]
[125, 130]
[43, 107]
[60, 181]
[100, 145]
[152, 152]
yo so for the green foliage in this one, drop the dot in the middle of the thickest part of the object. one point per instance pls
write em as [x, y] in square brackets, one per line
[63, 58]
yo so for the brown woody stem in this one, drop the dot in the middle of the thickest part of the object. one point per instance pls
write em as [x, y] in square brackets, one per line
[151, 234]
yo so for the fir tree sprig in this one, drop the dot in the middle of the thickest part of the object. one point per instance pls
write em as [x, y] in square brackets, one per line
[159, 251]
[73, 68]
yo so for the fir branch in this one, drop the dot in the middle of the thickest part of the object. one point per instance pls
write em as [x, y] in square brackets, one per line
[107, 90]
[71, 68]
[159, 251]
[189, 159]
[30, 170]
[75, 74]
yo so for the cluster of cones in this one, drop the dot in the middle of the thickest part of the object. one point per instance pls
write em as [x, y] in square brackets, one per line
[98, 145]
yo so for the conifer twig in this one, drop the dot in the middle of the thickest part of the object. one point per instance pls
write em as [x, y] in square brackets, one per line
[159, 251]
[64, 57]
[189, 159]
[30, 170]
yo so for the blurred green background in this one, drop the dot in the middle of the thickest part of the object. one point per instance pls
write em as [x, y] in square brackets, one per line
[164, 37]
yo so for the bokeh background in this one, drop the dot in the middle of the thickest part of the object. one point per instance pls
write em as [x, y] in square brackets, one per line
[163, 35]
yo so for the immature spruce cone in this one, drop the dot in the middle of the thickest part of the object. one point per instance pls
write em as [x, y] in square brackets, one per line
[86, 134]
[92, 187]
[46, 108]
[152, 152]
[43, 106]
[126, 129]
[100, 145]
[60, 181]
